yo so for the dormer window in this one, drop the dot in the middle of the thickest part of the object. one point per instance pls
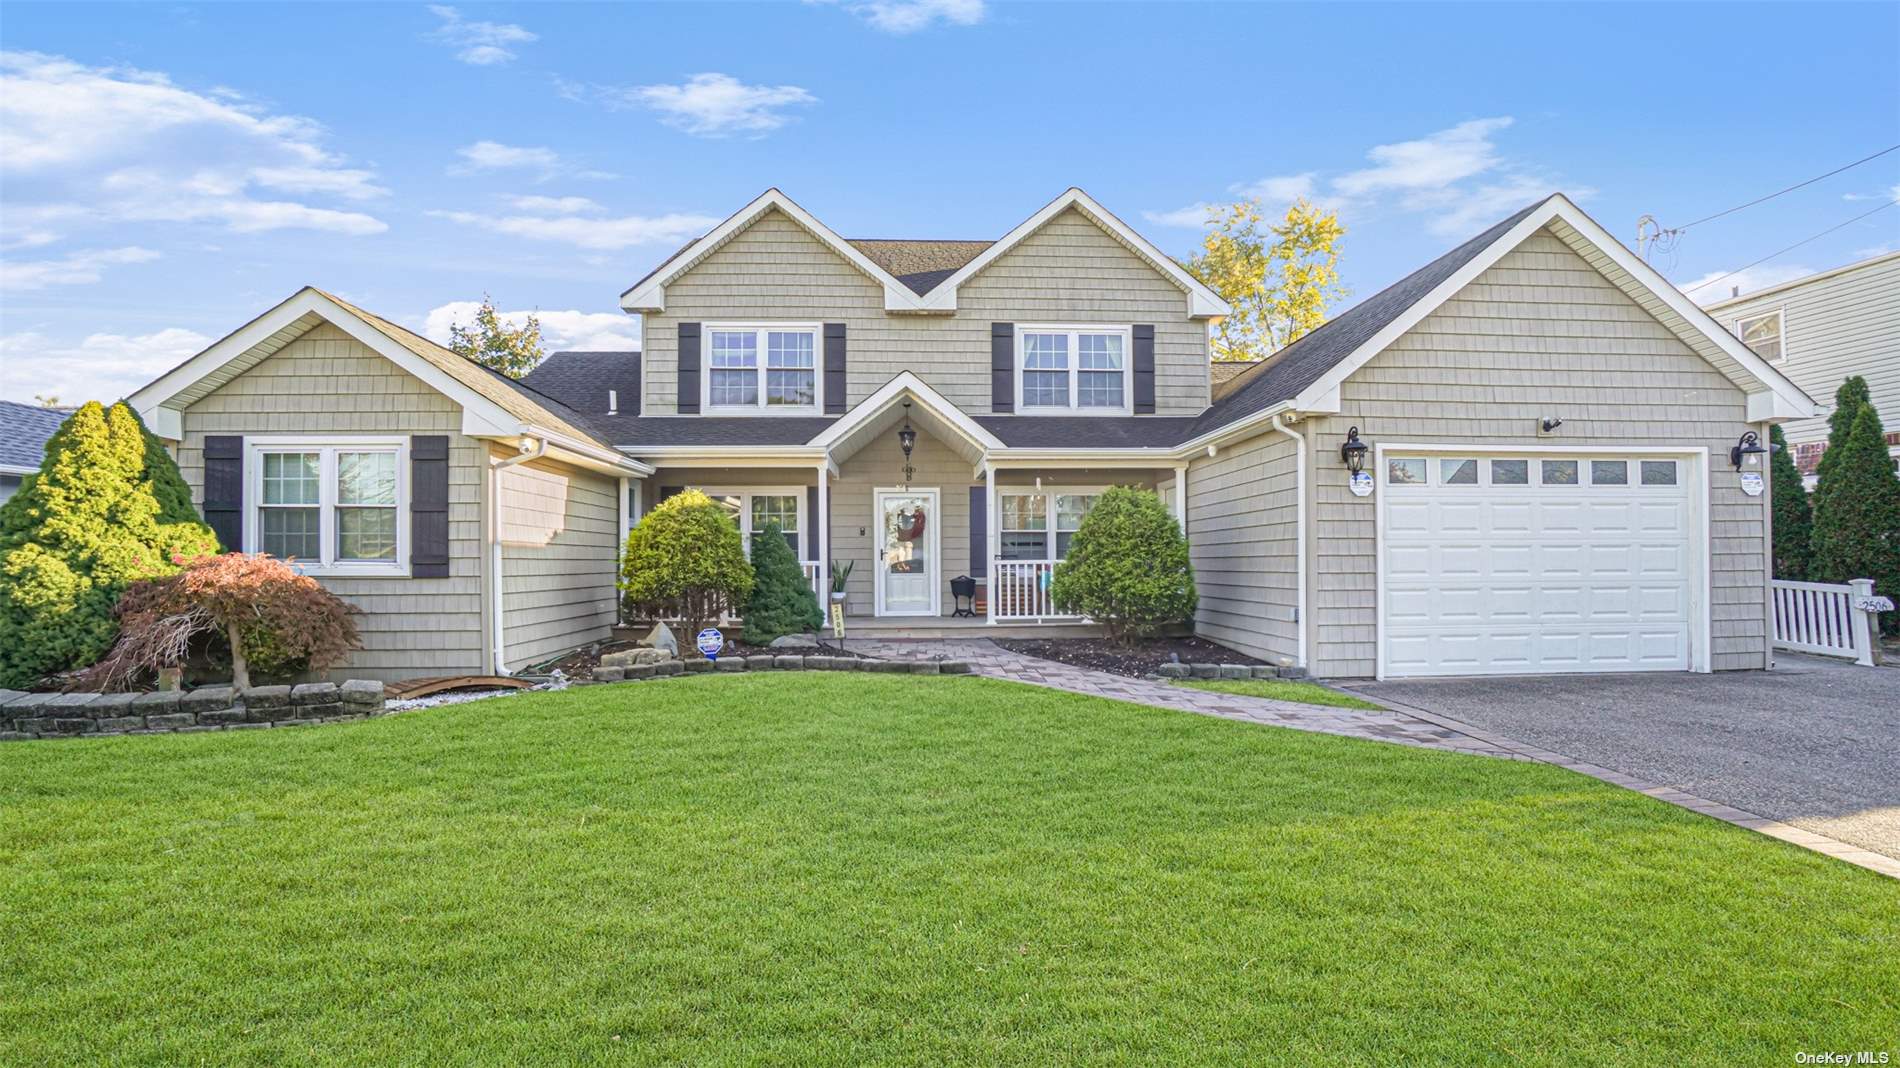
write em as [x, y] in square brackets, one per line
[1075, 370]
[764, 367]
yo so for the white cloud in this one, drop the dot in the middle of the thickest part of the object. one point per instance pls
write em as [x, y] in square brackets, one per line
[1192, 217]
[78, 268]
[480, 44]
[1431, 162]
[495, 156]
[589, 231]
[1748, 281]
[99, 146]
[101, 367]
[1284, 189]
[910, 16]
[1890, 193]
[554, 205]
[714, 105]
[570, 329]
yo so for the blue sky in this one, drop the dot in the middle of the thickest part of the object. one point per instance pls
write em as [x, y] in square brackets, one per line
[167, 171]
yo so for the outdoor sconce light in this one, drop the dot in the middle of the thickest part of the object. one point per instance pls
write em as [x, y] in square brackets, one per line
[907, 440]
[1354, 451]
[1746, 451]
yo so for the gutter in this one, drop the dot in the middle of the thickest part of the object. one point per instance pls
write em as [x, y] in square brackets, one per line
[536, 451]
[1299, 529]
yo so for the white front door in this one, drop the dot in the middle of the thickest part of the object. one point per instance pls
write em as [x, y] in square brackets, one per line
[909, 533]
[1515, 563]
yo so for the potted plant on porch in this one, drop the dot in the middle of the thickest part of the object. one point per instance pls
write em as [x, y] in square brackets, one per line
[840, 571]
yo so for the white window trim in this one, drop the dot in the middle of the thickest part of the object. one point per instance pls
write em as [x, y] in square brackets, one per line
[1052, 492]
[328, 445]
[745, 495]
[1780, 315]
[1127, 333]
[706, 368]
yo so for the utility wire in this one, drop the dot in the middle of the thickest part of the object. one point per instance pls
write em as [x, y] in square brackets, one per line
[1790, 189]
[1794, 246]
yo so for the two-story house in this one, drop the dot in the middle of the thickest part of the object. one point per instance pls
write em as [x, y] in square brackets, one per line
[1819, 331]
[1526, 456]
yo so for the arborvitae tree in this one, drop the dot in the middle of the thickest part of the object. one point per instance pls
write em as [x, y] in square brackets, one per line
[1848, 401]
[782, 602]
[1794, 516]
[1857, 513]
[74, 535]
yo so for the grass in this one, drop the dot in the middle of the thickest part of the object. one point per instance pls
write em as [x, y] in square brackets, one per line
[823, 869]
[1305, 693]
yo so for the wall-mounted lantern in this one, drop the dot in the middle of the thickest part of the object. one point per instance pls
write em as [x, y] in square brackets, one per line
[1353, 452]
[1747, 451]
[907, 440]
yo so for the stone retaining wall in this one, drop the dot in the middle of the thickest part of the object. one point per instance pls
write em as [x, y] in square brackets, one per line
[208, 708]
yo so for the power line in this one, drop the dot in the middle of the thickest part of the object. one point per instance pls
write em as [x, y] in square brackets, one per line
[1794, 246]
[1790, 189]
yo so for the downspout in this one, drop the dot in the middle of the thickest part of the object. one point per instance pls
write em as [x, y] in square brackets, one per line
[1299, 529]
[538, 449]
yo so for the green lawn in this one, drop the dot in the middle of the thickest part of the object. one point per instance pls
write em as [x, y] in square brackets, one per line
[1306, 693]
[826, 869]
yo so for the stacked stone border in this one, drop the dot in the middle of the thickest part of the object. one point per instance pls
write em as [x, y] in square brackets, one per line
[209, 708]
[727, 665]
[1228, 671]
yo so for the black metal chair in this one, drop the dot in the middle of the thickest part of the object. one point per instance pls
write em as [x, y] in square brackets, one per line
[963, 589]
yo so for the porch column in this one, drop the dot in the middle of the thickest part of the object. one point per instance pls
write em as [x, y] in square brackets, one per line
[1180, 496]
[823, 519]
[992, 525]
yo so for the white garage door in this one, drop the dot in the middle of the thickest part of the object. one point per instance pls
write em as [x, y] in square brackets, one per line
[1502, 564]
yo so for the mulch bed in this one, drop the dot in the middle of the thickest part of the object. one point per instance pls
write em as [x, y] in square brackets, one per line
[1134, 661]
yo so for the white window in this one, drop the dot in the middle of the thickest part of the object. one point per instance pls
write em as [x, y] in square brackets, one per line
[1024, 531]
[1762, 333]
[753, 368]
[334, 505]
[1074, 369]
[751, 509]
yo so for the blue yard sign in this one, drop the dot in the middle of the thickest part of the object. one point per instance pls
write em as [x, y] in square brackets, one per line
[710, 641]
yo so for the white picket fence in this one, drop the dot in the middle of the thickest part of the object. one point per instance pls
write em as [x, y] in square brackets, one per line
[1824, 618]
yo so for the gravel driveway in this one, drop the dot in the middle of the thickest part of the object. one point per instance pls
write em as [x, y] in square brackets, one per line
[1814, 743]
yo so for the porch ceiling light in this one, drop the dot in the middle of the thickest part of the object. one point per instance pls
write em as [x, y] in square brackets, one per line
[907, 440]
[1747, 451]
[1354, 451]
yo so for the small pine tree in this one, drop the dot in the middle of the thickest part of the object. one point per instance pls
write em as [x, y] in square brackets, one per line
[782, 602]
[105, 510]
[1857, 513]
[685, 558]
[1127, 567]
[1848, 401]
[1793, 515]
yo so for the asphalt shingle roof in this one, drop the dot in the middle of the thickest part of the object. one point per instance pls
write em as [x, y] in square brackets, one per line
[919, 264]
[24, 429]
[1096, 432]
[581, 379]
[629, 432]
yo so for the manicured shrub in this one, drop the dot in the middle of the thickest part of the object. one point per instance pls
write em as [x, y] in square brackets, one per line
[106, 509]
[782, 602]
[1857, 512]
[1127, 567]
[270, 618]
[1793, 514]
[685, 559]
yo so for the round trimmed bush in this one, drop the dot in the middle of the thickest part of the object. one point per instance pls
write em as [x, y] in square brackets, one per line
[1127, 567]
[685, 559]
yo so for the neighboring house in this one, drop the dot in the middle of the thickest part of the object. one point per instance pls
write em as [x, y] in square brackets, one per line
[781, 362]
[1819, 331]
[24, 429]
[1222, 374]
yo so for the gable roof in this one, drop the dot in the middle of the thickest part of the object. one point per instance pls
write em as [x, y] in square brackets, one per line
[920, 264]
[24, 429]
[581, 379]
[1796, 283]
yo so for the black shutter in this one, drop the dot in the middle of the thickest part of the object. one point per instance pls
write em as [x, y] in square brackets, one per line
[1002, 367]
[834, 369]
[980, 533]
[689, 369]
[1144, 370]
[429, 506]
[811, 523]
[224, 489]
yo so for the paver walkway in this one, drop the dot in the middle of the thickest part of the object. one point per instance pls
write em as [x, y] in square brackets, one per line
[996, 662]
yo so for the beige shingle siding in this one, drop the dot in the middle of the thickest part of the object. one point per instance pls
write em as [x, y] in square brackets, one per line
[326, 382]
[1242, 525]
[1845, 324]
[1071, 271]
[559, 595]
[1539, 334]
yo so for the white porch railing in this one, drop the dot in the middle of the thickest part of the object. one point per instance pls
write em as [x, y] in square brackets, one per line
[815, 577]
[1825, 618]
[1019, 589]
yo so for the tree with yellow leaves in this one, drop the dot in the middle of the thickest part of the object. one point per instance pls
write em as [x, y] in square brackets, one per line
[1279, 279]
